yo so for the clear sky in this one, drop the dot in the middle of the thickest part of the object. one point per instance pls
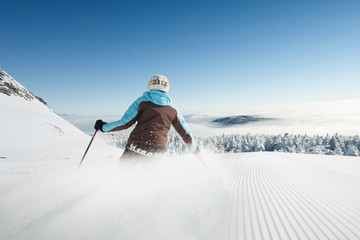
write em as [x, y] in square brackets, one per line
[96, 57]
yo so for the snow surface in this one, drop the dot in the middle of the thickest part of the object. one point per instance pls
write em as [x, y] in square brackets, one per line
[243, 196]
[28, 128]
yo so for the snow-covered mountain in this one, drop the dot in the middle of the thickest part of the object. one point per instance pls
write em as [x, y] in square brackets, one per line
[10, 87]
[28, 127]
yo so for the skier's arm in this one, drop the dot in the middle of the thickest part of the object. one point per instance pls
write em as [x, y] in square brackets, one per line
[129, 118]
[184, 131]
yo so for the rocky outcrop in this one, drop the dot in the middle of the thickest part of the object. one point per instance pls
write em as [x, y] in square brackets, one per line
[9, 86]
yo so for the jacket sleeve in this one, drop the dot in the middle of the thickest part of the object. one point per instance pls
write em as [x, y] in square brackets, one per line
[184, 131]
[129, 118]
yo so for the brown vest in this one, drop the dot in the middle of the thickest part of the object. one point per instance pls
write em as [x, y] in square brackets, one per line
[153, 124]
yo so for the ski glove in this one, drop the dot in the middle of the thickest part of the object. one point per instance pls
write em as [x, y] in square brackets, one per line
[99, 124]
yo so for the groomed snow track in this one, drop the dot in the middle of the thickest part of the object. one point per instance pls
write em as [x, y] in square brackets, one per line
[283, 196]
[253, 196]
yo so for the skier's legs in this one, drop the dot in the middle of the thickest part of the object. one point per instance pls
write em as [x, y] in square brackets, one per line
[129, 155]
[134, 159]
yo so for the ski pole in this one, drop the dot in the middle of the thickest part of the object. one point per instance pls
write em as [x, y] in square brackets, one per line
[87, 148]
[202, 161]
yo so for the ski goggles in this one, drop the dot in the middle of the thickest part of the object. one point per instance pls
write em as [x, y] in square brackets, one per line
[159, 82]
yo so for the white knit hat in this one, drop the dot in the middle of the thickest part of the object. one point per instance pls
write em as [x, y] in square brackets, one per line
[159, 82]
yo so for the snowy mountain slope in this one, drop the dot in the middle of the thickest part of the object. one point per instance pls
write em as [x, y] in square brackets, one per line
[29, 129]
[246, 196]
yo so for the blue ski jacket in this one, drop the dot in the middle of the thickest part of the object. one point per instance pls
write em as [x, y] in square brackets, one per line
[154, 113]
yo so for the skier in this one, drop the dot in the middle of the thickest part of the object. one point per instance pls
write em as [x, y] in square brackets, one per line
[154, 113]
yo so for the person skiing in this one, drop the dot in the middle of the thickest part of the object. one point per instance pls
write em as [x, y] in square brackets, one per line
[154, 112]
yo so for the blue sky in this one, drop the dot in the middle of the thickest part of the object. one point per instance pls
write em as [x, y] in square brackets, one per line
[95, 57]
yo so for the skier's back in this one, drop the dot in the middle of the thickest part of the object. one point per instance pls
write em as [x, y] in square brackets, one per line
[154, 113]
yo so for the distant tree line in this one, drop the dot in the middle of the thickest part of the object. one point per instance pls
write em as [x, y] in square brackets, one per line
[235, 143]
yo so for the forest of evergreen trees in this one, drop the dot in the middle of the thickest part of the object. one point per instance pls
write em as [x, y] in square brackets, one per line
[236, 143]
